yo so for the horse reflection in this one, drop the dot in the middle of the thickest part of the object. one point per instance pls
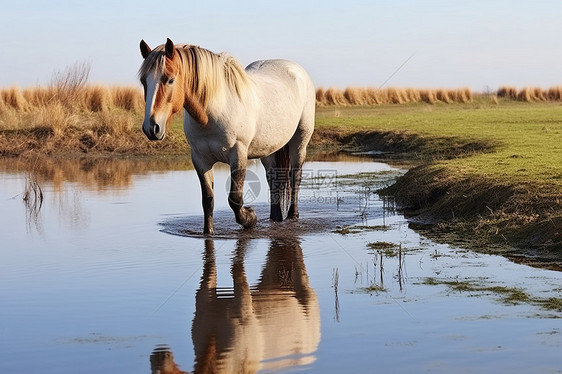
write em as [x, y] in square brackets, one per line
[271, 325]
[162, 362]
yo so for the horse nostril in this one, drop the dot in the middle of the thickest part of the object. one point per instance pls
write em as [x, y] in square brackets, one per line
[156, 129]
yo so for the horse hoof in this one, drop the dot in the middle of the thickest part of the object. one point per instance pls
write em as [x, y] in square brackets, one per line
[250, 219]
[209, 230]
[276, 218]
[293, 214]
[276, 214]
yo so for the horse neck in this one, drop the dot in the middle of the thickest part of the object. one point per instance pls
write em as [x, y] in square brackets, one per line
[216, 80]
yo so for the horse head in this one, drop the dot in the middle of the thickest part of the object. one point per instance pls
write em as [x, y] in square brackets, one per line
[164, 92]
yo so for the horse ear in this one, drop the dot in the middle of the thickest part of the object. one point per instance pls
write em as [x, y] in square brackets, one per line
[170, 49]
[144, 48]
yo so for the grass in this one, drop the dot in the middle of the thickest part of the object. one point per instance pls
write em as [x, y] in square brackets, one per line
[355, 229]
[77, 118]
[506, 295]
[69, 115]
[385, 248]
[526, 138]
[392, 95]
[491, 170]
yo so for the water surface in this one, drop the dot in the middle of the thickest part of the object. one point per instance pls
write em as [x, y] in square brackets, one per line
[109, 273]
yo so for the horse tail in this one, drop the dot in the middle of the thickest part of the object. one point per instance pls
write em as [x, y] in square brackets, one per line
[283, 177]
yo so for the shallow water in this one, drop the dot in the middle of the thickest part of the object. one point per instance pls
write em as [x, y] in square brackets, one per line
[108, 272]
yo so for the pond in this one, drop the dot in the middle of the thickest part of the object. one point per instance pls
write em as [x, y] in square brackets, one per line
[103, 269]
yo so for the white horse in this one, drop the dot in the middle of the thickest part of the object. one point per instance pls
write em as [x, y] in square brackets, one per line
[232, 114]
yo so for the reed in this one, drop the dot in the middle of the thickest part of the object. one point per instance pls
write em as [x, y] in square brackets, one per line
[530, 94]
[353, 96]
[356, 96]
[13, 97]
[508, 92]
[128, 98]
[555, 93]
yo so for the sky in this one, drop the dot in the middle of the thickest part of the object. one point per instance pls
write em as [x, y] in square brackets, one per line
[481, 44]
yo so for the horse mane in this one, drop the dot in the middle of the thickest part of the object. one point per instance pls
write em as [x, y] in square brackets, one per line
[206, 72]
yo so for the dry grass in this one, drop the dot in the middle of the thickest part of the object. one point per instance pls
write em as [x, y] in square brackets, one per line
[352, 96]
[530, 94]
[93, 110]
[508, 92]
[70, 115]
[90, 98]
[356, 96]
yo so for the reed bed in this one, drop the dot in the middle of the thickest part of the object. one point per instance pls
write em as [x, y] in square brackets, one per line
[82, 107]
[530, 94]
[371, 96]
[90, 98]
[60, 118]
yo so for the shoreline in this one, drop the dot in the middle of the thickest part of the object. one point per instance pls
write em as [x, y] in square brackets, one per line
[476, 212]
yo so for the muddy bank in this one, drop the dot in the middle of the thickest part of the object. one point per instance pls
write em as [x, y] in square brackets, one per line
[396, 144]
[522, 221]
[100, 142]
[514, 220]
[87, 142]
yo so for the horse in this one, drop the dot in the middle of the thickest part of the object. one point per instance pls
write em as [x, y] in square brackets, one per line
[232, 114]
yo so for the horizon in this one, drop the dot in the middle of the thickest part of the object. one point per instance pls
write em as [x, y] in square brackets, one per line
[481, 45]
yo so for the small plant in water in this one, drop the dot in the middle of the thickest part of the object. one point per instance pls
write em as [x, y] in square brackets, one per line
[374, 288]
[507, 295]
[344, 230]
[385, 248]
[381, 245]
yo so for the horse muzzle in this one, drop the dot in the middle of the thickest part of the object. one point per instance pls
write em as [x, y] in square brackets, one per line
[153, 131]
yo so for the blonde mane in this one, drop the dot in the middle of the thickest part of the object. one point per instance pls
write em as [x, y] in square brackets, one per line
[206, 73]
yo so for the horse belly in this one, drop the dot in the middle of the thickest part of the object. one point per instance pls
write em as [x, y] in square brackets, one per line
[270, 139]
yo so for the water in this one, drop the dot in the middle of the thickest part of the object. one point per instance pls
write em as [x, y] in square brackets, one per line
[109, 273]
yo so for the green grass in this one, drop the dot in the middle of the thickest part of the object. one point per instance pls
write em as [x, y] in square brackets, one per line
[492, 170]
[527, 136]
[504, 294]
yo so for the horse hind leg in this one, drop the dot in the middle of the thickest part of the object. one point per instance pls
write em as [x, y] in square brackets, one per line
[297, 155]
[296, 176]
[295, 181]
[277, 170]
[274, 179]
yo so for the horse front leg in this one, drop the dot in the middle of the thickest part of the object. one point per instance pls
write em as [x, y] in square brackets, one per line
[207, 199]
[244, 215]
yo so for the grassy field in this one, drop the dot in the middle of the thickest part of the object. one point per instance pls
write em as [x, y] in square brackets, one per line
[491, 169]
[526, 138]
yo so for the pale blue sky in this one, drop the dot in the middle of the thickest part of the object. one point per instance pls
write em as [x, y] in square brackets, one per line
[480, 43]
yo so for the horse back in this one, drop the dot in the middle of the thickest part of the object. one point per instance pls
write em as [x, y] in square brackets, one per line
[286, 96]
[280, 72]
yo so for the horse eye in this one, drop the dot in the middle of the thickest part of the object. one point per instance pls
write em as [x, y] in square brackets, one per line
[171, 81]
